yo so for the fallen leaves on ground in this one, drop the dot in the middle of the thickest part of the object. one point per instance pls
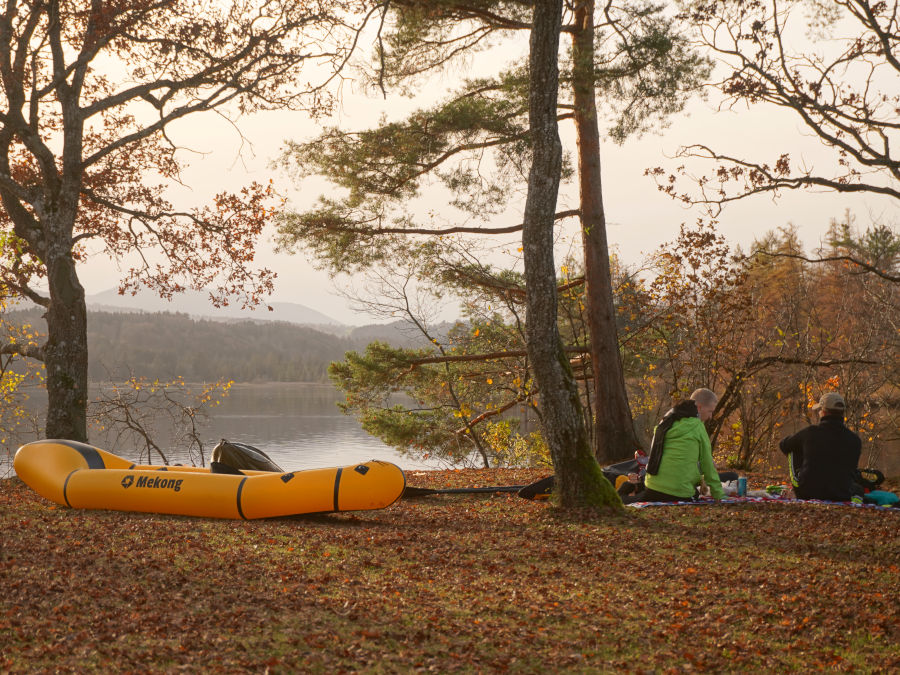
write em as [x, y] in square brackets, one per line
[451, 583]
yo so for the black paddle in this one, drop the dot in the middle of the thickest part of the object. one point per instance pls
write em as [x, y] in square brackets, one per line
[423, 492]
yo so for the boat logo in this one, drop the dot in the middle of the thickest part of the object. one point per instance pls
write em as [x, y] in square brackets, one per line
[157, 482]
[287, 477]
[362, 469]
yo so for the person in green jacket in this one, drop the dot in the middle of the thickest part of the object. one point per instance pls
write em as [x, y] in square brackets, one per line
[681, 454]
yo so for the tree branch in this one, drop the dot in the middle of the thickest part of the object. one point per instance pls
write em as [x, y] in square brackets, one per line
[760, 178]
[30, 351]
[489, 282]
[378, 231]
[488, 356]
[834, 258]
[26, 291]
[491, 413]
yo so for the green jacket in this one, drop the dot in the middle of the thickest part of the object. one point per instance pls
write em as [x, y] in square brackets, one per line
[686, 452]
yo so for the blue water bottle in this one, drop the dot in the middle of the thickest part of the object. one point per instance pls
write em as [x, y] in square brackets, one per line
[742, 487]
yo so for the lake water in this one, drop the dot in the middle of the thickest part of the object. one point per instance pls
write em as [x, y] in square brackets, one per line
[298, 425]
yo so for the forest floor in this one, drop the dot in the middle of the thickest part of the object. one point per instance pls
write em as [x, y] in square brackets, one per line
[484, 583]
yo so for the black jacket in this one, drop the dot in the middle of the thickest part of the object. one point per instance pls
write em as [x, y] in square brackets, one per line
[823, 459]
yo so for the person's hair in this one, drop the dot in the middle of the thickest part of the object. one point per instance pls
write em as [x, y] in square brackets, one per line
[706, 397]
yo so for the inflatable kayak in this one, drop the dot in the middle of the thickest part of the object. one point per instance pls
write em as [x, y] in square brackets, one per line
[81, 476]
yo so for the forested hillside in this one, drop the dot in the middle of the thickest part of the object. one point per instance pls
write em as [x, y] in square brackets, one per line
[164, 346]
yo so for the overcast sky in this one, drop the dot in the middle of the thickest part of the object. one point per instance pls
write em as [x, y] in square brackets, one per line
[640, 217]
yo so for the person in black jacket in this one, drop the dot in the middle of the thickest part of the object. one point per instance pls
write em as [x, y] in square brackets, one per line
[823, 457]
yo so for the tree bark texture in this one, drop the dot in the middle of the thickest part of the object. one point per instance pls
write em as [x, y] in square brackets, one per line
[66, 351]
[614, 437]
[579, 481]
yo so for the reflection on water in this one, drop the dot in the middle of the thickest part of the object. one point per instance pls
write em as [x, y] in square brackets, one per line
[300, 427]
[297, 425]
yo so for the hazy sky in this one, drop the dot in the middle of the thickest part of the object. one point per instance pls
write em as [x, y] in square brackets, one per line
[640, 218]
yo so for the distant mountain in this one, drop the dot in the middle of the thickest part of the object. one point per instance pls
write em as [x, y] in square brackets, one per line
[196, 304]
[166, 345]
[399, 334]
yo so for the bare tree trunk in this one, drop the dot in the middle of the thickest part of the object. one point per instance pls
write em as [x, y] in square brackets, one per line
[66, 351]
[579, 481]
[614, 437]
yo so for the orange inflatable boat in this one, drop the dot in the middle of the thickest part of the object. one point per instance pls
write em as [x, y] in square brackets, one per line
[84, 477]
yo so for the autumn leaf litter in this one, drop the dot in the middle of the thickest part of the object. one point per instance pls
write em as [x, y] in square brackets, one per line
[451, 583]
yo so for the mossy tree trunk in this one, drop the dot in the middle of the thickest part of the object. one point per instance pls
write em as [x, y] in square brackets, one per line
[579, 481]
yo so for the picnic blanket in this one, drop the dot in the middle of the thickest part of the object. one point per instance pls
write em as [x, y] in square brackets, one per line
[762, 500]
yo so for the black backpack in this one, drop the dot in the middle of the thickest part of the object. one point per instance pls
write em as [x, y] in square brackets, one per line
[230, 457]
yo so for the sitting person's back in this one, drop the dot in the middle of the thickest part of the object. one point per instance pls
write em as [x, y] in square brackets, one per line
[823, 457]
[681, 454]
[686, 459]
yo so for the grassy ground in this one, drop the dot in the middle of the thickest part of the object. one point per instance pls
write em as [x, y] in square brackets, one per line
[451, 583]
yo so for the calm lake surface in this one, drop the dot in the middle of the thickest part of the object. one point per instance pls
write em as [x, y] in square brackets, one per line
[298, 425]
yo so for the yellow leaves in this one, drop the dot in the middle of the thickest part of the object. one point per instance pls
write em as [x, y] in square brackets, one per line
[463, 411]
[9, 382]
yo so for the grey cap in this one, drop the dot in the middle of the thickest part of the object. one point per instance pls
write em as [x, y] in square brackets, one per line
[831, 402]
